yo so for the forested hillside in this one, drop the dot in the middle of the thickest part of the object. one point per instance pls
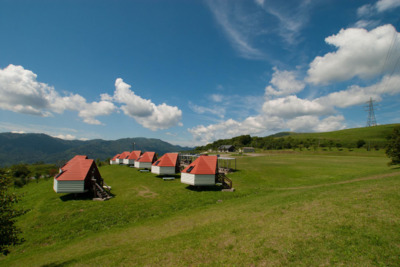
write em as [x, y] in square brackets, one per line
[31, 148]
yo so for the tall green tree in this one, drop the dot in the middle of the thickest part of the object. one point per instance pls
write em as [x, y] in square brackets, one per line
[393, 147]
[8, 213]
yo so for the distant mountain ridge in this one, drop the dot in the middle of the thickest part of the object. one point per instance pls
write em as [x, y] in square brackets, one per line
[30, 148]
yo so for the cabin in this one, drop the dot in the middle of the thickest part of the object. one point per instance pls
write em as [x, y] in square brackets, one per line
[226, 148]
[80, 175]
[167, 164]
[201, 172]
[146, 160]
[132, 157]
[114, 159]
[121, 157]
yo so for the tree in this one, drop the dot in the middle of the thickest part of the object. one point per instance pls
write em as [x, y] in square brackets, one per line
[393, 147]
[360, 143]
[8, 231]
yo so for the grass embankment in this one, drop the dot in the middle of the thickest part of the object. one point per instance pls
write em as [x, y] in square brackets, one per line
[289, 209]
[373, 134]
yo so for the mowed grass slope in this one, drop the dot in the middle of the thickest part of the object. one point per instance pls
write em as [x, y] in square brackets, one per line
[373, 134]
[296, 209]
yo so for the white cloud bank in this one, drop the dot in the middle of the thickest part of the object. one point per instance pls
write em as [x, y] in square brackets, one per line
[145, 112]
[21, 92]
[360, 53]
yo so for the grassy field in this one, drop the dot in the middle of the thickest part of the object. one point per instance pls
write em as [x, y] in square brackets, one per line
[373, 134]
[289, 208]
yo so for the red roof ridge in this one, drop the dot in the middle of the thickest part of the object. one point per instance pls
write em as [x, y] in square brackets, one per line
[167, 160]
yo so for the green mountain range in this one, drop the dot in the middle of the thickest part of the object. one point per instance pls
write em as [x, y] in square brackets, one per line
[31, 148]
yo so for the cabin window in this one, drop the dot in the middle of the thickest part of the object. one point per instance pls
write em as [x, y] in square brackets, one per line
[157, 163]
[190, 168]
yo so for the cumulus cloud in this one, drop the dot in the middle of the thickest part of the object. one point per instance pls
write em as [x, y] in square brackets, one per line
[292, 106]
[21, 92]
[284, 83]
[357, 95]
[94, 109]
[297, 114]
[359, 53]
[231, 128]
[145, 112]
[316, 124]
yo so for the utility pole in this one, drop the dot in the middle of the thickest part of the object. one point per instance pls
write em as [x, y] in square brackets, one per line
[371, 121]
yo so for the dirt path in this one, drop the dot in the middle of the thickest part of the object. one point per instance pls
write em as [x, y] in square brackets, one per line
[375, 177]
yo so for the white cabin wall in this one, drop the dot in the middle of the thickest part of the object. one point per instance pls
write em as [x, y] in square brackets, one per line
[69, 186]
[162, 170]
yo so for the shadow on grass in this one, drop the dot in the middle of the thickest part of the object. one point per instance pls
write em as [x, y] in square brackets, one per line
[176, 176]
[80, 196]
[204, 188]
[59, 264]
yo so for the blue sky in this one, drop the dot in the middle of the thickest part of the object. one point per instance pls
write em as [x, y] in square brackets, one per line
[191, 72]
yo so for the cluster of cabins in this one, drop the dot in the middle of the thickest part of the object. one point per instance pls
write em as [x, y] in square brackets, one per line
[81, 175]
[202, 171]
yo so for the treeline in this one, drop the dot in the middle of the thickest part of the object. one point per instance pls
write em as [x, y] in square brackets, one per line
[289, 142]
[21, 174]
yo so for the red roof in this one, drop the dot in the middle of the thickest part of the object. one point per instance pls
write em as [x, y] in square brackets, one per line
[116, 157]
[167, 160]
[203, 165]
[147, 157]
[76, 169]
[135, 154]
[124, 155]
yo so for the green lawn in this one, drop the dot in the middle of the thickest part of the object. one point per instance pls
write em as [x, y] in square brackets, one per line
[296, 209]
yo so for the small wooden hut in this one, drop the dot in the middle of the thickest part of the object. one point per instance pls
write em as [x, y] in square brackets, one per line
[146, 160]
[114, 159]
[132, 157]
[121, 157]
[201, 172]
[167, 164]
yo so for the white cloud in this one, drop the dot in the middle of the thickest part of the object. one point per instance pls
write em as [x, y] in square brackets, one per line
[65, 137]
[216, 97]
[292, 18]
[365, 10]
[360, 53]
[145, 112]
[285, 83]
[94, 109]
[292, 106]
[238, 26]
[231, 128]
[380, 6]
[215, 110]
[383, 5]
[315, 124]
[21, 92]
